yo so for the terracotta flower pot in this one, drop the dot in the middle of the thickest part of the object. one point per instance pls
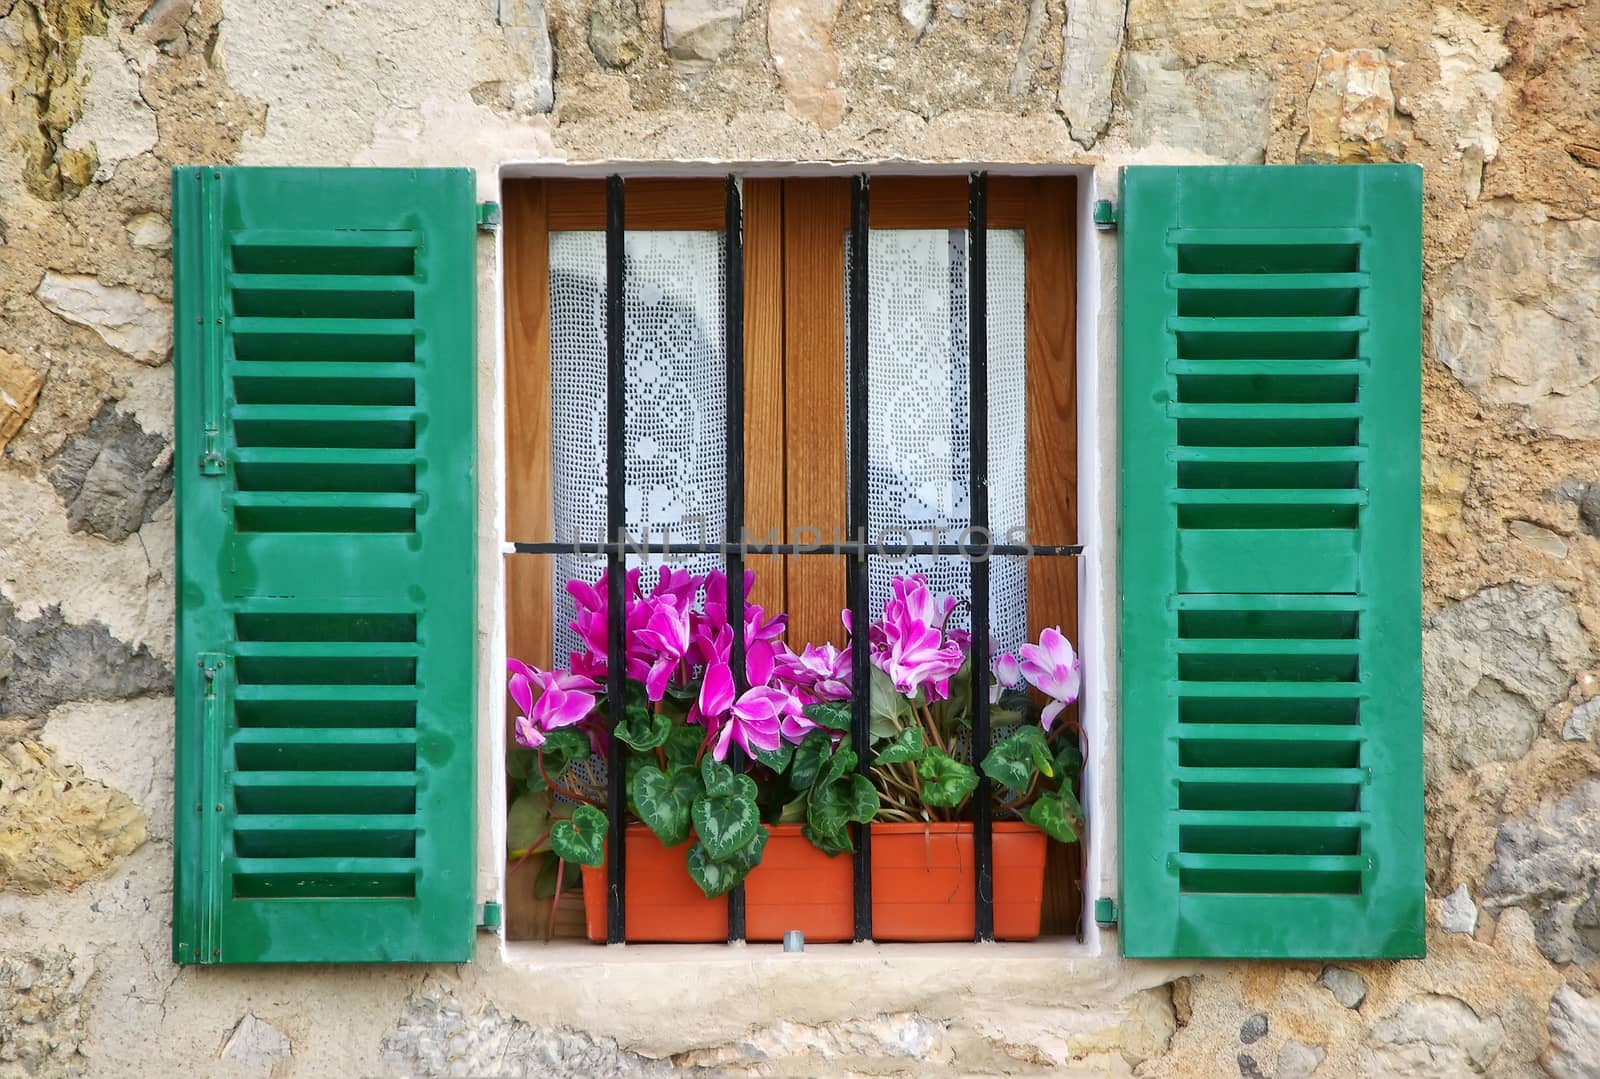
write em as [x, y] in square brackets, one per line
[796, 886]
[922, 881]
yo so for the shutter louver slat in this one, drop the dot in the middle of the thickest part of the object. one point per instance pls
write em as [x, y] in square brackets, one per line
[1271, 562]
[328, 564]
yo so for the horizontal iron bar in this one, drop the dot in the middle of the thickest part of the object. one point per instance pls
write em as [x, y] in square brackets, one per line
[843, 547]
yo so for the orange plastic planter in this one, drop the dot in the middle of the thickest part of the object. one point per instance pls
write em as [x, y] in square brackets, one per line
[923, 880]
[796, 886]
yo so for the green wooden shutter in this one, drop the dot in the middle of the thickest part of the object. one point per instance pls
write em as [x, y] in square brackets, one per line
[326, 497]
[1271, 562]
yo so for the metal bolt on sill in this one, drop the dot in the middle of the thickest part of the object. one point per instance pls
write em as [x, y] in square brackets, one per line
[794, 941]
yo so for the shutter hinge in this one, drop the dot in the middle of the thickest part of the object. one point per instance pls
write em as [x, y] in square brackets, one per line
[1105, 912]
[490, 918]
[1105, 215]
[488, 216]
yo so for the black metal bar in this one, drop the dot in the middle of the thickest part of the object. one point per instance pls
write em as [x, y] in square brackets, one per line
[857, 524]
[849, 548]
[978, 523]
[616, 567]
[733, 353]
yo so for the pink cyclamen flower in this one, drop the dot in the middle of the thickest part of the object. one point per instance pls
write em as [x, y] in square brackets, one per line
[564, 700]
[755, 722]
[823, 673]
[1053, 668]
[665, 642]
[1007, 673]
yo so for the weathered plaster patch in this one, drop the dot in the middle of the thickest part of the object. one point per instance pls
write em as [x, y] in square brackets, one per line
[1217, 111]
[88, 579]
[115, 124]
[800, 35]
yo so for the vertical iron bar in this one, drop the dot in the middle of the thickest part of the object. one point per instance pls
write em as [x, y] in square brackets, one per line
[616, 567]
[857, 524]
[733, 353]
[978, 532]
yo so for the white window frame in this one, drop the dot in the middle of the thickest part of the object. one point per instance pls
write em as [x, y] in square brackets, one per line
[1098, 404]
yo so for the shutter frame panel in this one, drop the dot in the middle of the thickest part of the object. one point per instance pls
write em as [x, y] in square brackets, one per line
[326, 503]
[1271, 562]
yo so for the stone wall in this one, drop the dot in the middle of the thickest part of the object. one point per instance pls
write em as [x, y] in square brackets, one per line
[1499, 100]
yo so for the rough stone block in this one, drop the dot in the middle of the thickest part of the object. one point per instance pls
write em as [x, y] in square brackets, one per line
[696, 32]
[1351, 113]
[1222, 112]
[114, 476]
[19, 392]
[59, 828]
[1548, 863]
[1491, 666]
[1517, 320]
[133, 323]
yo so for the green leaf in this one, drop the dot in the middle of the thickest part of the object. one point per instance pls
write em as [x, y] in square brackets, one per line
[544, 882]
[887, 705]
[1058, 815]
[725, 824]
[717, 777]
[841, 764]
[776, 759]
[526, 821]
[581, 839]
[1068, 763]
[643, 729]
[908, 745]
[829, 843]
[946, 782]
[863, 799]
[720, 876]
[561, 747]
[830, 714]
[664, 800]
[1012, 761]
[519, 763]
[683, 745]
[809, 757]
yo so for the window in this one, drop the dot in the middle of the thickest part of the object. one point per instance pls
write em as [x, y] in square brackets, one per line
[796, 306]
[1267, 620]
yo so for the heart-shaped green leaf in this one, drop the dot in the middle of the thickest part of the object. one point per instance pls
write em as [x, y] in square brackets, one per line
[809, 757]
[725, 824]
[886, 704]
[829, 843]
[663, 801]
[683, 745]
[841, 764]
[830, 714]
[946, 782]
[1013, 761]
[720, 876]
[519, 763]
[581, 839]
[1058, 815]
[526, 822]
[1068, 762]
[717, 777]
[908, 746]
[643, 729]
[863, 799]
[776, 759]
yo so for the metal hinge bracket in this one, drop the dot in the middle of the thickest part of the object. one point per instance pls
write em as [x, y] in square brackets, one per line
[1105, 215]
[1105, 912]
[490, 917]
[488, 216]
